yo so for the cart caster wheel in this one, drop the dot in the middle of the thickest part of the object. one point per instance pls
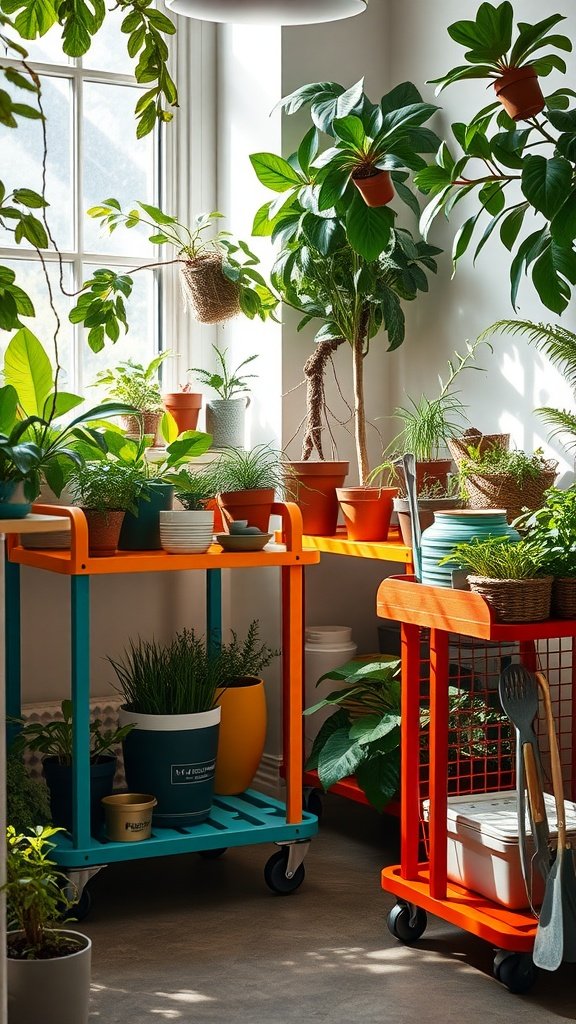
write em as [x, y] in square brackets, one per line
[313, 802]
[82, 908]
[275, 874]
[515, 970]
[212, 854]
[400, 925]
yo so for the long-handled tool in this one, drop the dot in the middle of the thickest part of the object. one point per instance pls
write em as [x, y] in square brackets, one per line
[555, 939]
[409, 466]
[518, 692]
[538, 819]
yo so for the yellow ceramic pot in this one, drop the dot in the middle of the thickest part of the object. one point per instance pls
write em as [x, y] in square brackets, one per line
[242, 734]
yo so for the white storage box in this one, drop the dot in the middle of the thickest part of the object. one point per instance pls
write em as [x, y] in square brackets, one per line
[483, 852]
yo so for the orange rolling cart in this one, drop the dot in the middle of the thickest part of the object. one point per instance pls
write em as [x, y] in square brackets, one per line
[455, 740]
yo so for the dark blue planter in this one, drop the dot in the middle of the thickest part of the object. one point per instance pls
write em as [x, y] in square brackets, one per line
[13, 504]
[59, 781]
[142, 532]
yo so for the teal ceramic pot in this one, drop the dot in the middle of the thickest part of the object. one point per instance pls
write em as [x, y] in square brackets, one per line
[142, 532]
[453, 526]
[13, 504]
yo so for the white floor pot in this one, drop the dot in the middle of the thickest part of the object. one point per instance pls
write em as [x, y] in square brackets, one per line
[55, 991]
[173, 757]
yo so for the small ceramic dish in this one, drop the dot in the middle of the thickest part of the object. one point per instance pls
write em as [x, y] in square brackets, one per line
[243, 541]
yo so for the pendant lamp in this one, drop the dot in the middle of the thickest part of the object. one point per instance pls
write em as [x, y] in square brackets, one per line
[268, 12]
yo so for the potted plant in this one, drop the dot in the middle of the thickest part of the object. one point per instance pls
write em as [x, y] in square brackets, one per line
[511, 575]
[136, 385]
[362, 737]
[48, 966]
[515, 66]
[553, 528]
[340, 262]
[170, 696]
[510, 480]
[27, 803]
[184, 407]
[431, 498]
[54, 740]
[105, 490]
[218, 274]
[225, 415]
[474, 438]
[247, 485]
[243, 706]
[191, 528]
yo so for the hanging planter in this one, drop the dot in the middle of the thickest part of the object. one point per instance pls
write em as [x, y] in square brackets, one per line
[366, 511]
[376, 188]
[211, 295]
[519, 93]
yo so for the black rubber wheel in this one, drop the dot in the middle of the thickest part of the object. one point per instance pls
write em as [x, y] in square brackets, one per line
[82, 908]
[212, 854]
[275, 874]
[313, 802]
[515, 970]
[400, 926]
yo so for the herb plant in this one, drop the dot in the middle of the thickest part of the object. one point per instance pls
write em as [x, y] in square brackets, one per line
[245, 657]
[106, 486]
[498, 461]
[553, 527]
[499, 558]
[54, 738]
[225, 382]
[134, 383]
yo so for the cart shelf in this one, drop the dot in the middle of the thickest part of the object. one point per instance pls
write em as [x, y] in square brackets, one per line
[391, 550]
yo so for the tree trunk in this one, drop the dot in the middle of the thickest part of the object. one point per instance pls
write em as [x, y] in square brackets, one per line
[359, 410]
[314, 372]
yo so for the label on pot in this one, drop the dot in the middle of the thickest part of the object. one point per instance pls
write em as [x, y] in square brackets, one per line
[188, 774]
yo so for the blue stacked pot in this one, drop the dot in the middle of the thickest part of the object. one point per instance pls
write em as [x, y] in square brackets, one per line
[453, 526]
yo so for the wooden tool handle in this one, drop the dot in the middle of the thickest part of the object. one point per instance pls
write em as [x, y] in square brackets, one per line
[555, 764]
[535, 796]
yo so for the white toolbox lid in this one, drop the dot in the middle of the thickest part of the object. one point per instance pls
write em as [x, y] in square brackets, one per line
[495, 814]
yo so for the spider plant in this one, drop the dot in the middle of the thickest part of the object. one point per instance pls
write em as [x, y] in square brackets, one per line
[499, 558]
[239, 470]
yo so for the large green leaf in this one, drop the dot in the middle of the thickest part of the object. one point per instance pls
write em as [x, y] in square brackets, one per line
[379, 778]
[8, 407]
[274, 172]
[28, 369]
[322, 234]
[546, 183]
[563, 225]
[510, 227]
[190, 444]
[402, 95]
[351, 131]
[35, 18]
[531, 37]
[368, 228]
[339, 758]
[491, 32]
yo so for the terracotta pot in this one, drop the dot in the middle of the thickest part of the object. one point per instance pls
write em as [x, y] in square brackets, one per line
[184, 407]
[149, 424]
[366, 511]
[314, 485]
[519, 92]
[242, 734]
[426, 509]
[432, 471]
[103, 531]
[255, 506]
[377, 189]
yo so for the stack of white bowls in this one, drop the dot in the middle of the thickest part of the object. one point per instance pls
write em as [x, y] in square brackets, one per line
[184, 533]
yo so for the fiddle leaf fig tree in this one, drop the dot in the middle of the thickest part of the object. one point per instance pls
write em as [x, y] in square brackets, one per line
[340, 263]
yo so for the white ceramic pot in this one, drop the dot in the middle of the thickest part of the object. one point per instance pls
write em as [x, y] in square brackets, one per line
[183, 532]
[55, 991]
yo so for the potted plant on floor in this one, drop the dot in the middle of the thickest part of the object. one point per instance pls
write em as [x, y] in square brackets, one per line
[511, 480]
[511, 575]
[553, 528]
[27, 803]
[248, 482]
[191, 528]
[48, 966]
[341, 262]
[243, 706]
[54, 740]
[170, 696]
[225, 415]
[514, 67]
[136, 385]
[105, 491]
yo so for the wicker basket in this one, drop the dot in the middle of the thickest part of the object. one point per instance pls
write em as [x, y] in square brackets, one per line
[212, 296]
[499, 490]
[515, 600]
[459, 446]
[564, 597]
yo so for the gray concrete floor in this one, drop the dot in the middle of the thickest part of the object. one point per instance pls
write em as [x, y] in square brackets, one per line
[189, 940]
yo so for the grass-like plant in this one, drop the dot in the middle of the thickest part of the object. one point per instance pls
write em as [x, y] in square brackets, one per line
[54, 738]
[195, 489]
[499, 558]
[240, 470]
[107, 486]
[36, 896]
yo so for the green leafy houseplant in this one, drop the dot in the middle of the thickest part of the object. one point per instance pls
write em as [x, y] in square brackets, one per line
[225, 382]
[26, 798]
[512, 480]
[247, 657]
[491, 53]
[106, 486]
[362, 737]
[134, 384]
[260, 467]
[195, 489]
[54, 738]
[340, 262]
[553, 528]
[514, 174]
[134, 455]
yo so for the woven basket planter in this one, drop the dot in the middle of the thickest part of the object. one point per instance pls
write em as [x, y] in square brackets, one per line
[515, 600]
[564, 597]
[212, 296]
[499, 490]
[458, 446]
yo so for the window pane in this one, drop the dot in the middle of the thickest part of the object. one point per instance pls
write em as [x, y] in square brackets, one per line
[138, 344]
[116, 164]
[22, 159]
[30, 277]
[108, 50]
[48, 49]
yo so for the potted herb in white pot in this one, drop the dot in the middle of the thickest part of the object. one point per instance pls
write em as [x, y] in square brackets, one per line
[226, 415]
[48, 966]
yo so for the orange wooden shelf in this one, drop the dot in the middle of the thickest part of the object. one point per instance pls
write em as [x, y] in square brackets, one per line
[391, 550]
[457, 611]
[350, 789]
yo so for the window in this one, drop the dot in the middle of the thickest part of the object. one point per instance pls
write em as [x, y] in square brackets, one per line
[93, 154]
